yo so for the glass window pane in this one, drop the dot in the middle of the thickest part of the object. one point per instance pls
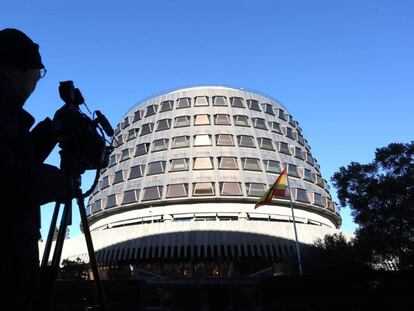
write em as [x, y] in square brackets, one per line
[301, 140]
[302, 195]
[119, 177]
[182, 121]
[275, 127]
[290, 133]
[136, 171]
[309, 176]
[202, 119]
[222, 119]
[152, 193]
[255, 190]
[230, 188]
[253, 104]
[146, 129]
[265, 143]
[241, 120]
[202, 140]
[251, 164]
[137, 116]
[125, 123]
[293, 170]
[164, 124]
[284, 148]
[130, 196]
[97, 206]
[272, 166]
[259, 123]
[112, 200]
[268, 109]
[132, 134]
[281, 114]
[104, 183]
[142, 149]
[219, 101]
[237, 102]
[203, 188]
[318, 199]
[156, 168]
[224, 140]
[166, 105]
[125, 155]
[203, 163]
[201, 101]
[179, 165]
[183, 102]
[229, 163]
[160, 144]
[177, 191]
[112, 160]
[180, 142]
[246, 141]
[309, 159]
[299, 153]
[152, 109]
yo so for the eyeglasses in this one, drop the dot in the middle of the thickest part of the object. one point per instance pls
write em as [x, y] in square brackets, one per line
[43, 72]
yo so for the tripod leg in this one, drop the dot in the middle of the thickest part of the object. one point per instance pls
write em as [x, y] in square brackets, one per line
[92, 258]
[48, 246]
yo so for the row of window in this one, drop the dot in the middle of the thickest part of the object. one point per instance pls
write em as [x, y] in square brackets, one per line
[207, 163]
[205, 119]
[202, 101]
[202, 189]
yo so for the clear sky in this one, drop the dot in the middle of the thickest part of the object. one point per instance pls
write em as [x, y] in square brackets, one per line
[343, 69]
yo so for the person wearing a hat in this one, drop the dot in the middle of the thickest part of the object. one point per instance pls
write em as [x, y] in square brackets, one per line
[26, 182]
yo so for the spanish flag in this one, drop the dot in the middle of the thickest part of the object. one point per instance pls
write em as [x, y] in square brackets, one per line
[277, 190]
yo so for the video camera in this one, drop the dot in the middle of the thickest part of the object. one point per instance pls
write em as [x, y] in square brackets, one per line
[81, 138]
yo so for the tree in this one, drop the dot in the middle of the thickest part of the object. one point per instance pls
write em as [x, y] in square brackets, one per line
[381, 197]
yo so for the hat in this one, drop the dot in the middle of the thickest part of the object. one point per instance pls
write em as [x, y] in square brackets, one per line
[18, 50]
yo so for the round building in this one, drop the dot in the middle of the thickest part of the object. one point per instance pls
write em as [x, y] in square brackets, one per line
[178, 195]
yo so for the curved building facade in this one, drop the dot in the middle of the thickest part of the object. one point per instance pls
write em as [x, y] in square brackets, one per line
[187, 169]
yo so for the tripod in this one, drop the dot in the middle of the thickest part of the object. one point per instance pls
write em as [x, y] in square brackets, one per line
[49, 272]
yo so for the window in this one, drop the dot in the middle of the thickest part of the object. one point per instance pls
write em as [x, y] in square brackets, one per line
[177, 191]
[125, 123]
[228, 163]
[251, 164]
[163, 124]
[293, 170]
[119, 177]
[147, 128]
[151, 110]
[130, 196]
[112, 160]
[255, 190]
[281, 114]
[204, 163]
[259, 123]
[157, 167]
[291, 121]
[201, 101]
[112, 201]
[275, 127]
[119, 140]
[299, 153]
[132, 133]
[125, 155]
[202, 140]
[318, 199]
[97, 206]
[224, 140]
[222, 119]
[203, 189]
[245, 141]
[182, 121]
[309, 176]
[167, 105]
[104, 182]
[253, 104]
[137, 116]
[152, 193]
[230, 188]
[267, 108]
[136, 171]
[272, 166]
[302, 195]
[284, 148]
[290, 133]
[265, 143]
[320, 181]
[241, 120]
[183, 102]
[301, 140]
[177, 165]
[237, 102]
[219, 101]
[180, 142]
[309, 159]
[142, 149]
[202, 119]
[160, 144]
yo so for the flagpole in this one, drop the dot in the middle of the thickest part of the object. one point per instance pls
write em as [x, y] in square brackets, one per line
[294, 225]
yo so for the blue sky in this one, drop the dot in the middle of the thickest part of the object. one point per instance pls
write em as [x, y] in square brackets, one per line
[343, 69]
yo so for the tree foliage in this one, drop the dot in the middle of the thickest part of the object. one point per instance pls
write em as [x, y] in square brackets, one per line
[381, 197]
